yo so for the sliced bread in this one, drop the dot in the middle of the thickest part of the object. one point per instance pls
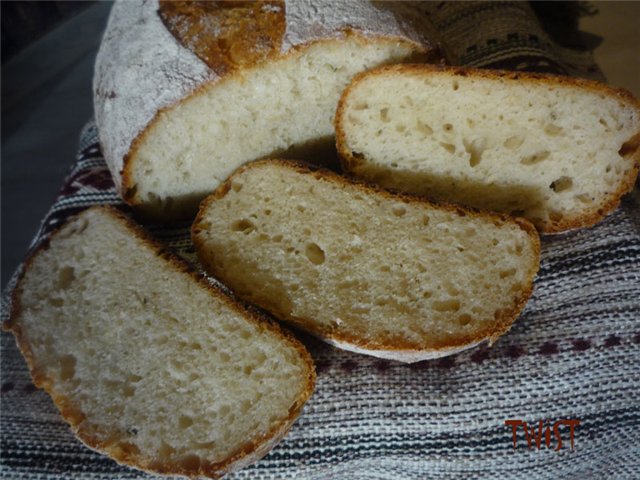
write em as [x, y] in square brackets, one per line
[186, 92]
[148, 362]
[369, 271]
[558, 151]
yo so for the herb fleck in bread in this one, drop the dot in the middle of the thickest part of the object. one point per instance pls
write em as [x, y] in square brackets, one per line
[389, 275]
[559, 151]
[148, 362]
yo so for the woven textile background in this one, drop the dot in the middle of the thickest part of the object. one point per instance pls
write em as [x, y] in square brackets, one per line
[573, 354]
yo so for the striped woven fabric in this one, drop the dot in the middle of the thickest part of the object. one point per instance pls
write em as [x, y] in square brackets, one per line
[573, 355]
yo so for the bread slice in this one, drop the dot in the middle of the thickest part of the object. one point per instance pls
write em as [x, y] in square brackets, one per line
[186, 92]
[558, 151]
[147, 361]
[387, 275]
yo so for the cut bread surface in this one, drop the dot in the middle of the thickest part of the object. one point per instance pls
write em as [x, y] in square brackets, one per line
[558, 151]
[388, 275]
[185, 92]
[190, 148]
[148, 362]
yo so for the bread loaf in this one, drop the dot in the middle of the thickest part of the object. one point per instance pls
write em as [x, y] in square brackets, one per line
[148, 362]
[387, 275]
[558, 151]
[185, 92]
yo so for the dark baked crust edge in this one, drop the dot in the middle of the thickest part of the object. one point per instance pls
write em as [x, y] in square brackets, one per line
[251, 451]
[599, 212]
[388, 348]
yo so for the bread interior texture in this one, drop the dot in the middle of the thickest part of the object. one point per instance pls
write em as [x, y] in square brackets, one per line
[144, 362]
[376, 270]
[290, 102]
[554, 153]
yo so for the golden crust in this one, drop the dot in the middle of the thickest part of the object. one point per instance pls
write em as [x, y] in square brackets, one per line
[351, 162]
[226, 35]
[126, 453]
[129, 189]
[502, 323]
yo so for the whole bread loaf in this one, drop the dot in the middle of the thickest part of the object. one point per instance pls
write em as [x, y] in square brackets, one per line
[387, 275]
[558, 151]
[148, 362]
[185, 92]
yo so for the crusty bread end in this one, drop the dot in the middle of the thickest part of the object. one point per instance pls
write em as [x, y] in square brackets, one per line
[146, 360]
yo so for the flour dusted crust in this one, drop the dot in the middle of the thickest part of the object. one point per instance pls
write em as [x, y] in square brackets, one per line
[142, 70]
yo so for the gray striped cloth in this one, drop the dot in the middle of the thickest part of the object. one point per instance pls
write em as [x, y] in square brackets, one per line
[573, 355]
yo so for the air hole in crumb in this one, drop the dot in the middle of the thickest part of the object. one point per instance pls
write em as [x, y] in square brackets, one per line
[514, 142]
[385, 268]
[535, 158]
[56, 302]
[128, 391]
[384, 114]
[450, 288]
[165, 450]
[471, 123]
[407, 101]
[446, 305]
[507, 273]
[426, 294]
[552, 130]
[277, 238]
[361, 106]
[300, 208]
[314, 253]
[65, 277]
[245, 406]
[245, 226]
[584, 198]
[225, 410]
[185, 422]
[400, 128]
[561, 184]
[425, 220]
[464, 319]
[423, 128]
[448, 147]
[604, 123]
[224, 357]
[399, 211]
[447, 127]
[474, 148]
[456, 85]
[67, 367]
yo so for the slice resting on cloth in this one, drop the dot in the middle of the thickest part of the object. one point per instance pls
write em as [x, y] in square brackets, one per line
[369, 271]
[147, 361]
